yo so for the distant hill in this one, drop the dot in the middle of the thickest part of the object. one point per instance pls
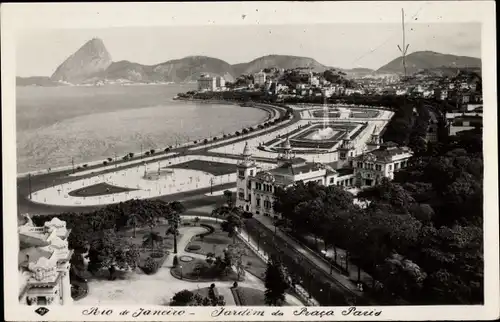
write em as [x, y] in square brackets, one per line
[190, 69]
[35, 81]
[422, 60]
[278, 61]
[88, 61]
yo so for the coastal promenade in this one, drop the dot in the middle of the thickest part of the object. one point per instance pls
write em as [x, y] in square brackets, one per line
[162, 175]
[44, 180]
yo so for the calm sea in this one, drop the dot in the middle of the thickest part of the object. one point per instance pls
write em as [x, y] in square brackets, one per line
[55, 124]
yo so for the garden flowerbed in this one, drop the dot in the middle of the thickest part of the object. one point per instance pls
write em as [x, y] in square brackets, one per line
[199, 270]
[100, 189]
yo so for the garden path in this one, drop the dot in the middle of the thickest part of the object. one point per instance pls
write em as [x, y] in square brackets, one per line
[158, 289]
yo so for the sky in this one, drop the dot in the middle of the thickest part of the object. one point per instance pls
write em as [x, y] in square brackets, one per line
[344, 45]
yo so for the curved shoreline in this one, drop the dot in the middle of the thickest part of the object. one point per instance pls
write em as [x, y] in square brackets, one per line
[159, 152]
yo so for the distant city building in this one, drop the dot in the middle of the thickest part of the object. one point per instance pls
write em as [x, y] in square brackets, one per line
[371, 167]
[207, 83]
[220, 82]
[431, 134]
[327, 91]
[259, 78]
[44, 263]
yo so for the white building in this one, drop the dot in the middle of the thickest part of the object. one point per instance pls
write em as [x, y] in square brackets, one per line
[207, 83]
[255, 188]
[44, 264]
[371, 167]
[259, 78]
[220, 82]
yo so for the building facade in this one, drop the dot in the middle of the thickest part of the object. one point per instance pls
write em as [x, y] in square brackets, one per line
[207, 83]
[44, 264]
[259, 78]
[220, 82]
[371, 167]
[255, 188]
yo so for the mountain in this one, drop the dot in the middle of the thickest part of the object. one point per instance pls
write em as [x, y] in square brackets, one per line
[190, 69]
[92, 63]
[422, 60]
[87, 62]
[278, 61]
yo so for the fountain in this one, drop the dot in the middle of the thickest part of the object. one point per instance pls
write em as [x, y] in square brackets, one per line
[326, 132]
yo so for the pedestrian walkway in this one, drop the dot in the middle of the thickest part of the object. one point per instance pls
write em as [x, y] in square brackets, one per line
[265, 257]
[312, 256]
[228, 295]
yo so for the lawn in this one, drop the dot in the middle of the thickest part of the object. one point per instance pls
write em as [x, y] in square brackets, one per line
[364, 114]
[322, 114]
[218, 241]
[247, 296]
[212, 167]
[206, 273]
[99, 189]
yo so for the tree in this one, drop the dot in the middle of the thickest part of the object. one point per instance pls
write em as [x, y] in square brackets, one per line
[198, 269]
[131, 155]
[276, 283]
[210, 258]
[231, 225]
[110, 251]
[402, 277]
[133, 219]
[233, 255]
[229, 197]
[388, 193]
[152, 238]
[182, 298]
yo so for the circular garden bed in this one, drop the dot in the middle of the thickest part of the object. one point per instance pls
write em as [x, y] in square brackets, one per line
[185, 258]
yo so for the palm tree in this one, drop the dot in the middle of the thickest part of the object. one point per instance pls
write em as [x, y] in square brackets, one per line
[132, 220]
[173, 216]
[152, 238]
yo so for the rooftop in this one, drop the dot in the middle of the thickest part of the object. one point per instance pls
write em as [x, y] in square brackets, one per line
[345, 171]
[384, 154]
[31, 255]
[290, 169]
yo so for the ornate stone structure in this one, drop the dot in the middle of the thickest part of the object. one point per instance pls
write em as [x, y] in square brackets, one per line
[44, 263]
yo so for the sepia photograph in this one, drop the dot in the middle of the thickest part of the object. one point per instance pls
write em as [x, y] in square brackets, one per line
[249, 165]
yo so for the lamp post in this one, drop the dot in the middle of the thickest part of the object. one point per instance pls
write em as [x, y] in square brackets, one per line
[29, 183]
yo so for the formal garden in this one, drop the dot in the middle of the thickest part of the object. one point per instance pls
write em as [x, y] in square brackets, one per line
[99, 189]
[212, 167]
[145, 251]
